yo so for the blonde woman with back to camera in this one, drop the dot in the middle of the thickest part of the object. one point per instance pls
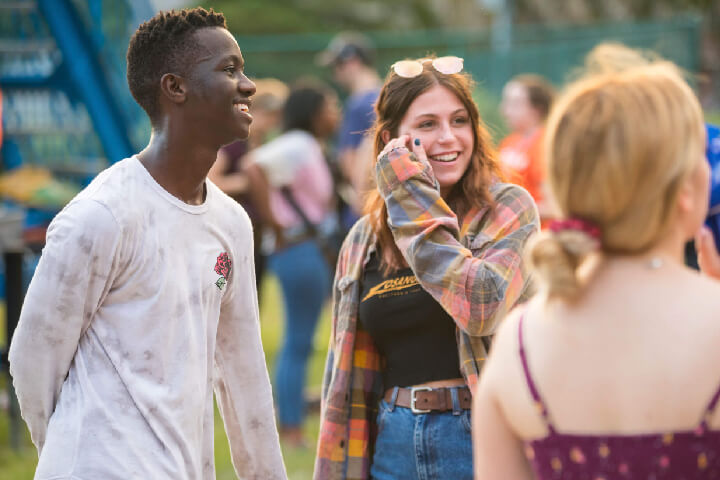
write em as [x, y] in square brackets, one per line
[613, 369]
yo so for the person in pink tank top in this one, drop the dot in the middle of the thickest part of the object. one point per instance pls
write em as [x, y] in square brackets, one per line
[612, 371]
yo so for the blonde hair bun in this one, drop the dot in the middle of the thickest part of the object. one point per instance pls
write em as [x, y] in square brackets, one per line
[618, 147]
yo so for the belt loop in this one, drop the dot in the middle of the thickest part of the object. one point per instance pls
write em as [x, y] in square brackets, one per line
[456, 410]
[393, 399]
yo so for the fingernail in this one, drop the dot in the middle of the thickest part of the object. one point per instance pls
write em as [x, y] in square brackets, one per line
[417, 142]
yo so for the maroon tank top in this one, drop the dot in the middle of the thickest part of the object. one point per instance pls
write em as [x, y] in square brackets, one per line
[666, 455]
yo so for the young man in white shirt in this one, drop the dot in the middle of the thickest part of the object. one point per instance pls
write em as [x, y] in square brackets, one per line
[144, 298]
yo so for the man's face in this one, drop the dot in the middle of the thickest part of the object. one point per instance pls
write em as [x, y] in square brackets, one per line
[218, 90]
[344, 71]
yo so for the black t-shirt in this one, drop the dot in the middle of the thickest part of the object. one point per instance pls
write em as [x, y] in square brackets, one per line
[410, 329]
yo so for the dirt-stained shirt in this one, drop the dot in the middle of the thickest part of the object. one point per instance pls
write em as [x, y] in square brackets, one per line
[140, 306]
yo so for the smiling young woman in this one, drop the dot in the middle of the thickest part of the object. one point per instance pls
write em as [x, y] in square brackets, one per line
[422, 280]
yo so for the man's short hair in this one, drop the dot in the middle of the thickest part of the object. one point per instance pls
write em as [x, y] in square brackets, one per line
[347, 45]
[162, 45]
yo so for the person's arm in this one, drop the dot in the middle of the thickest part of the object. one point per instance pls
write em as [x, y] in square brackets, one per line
[233, 183]
[260, 194]
[355, 147]
[708, 257]
[242, 384]
[330, 453]
[498, 451]
[73, 277]
[477, 292]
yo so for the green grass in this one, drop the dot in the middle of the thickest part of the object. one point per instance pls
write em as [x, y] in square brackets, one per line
[20, 465]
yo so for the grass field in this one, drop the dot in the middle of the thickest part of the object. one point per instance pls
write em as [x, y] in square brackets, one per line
[299, 462]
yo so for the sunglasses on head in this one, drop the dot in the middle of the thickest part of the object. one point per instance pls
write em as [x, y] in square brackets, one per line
[413, 68]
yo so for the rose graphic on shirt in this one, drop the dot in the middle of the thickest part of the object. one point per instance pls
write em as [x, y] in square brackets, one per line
[222, 267]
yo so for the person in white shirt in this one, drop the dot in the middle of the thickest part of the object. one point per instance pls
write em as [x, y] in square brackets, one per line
[293, 190]
[144, 298]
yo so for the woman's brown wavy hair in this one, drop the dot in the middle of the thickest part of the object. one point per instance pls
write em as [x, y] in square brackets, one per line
[472, 190]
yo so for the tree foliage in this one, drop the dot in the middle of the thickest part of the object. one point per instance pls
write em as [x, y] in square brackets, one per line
[247, 17]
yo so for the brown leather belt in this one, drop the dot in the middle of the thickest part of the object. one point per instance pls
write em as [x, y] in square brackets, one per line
[426, 399]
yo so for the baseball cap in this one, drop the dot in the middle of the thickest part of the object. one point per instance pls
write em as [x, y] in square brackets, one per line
[346, 45]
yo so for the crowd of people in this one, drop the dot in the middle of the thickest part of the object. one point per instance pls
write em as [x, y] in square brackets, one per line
[519, 312]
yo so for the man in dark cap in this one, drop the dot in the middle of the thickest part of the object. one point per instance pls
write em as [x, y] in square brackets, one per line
[351, 56]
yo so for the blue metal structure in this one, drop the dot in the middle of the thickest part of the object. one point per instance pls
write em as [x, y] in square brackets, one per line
[66, 106]
[86, 76]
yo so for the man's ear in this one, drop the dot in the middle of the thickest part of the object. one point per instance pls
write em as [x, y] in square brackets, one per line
[385, 136]
[172, 87]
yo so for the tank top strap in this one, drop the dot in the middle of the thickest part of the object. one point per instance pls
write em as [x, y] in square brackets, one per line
[539, 404]
[710, 410]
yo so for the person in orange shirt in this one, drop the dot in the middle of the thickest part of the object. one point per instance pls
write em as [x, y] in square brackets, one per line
[526, 102]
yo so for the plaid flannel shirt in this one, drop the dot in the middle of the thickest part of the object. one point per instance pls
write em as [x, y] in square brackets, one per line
[474, 270]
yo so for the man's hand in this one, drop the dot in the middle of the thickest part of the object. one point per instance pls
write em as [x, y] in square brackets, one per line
[279, 233]
[708, 256]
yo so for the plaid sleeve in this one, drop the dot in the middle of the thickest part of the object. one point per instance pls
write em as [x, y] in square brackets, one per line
[352, 381]
[477, 288]
[330, 456]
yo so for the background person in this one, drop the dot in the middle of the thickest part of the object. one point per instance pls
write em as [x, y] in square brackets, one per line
[423, 279]
[526, 102]
[351, 56]
[143, 299]
[707, 242]
[612, 370]
[295, 161]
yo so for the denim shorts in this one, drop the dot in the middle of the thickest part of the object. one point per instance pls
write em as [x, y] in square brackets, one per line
[423, 446]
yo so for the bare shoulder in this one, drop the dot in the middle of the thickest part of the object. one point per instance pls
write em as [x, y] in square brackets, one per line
[504, 360]
[503, 378]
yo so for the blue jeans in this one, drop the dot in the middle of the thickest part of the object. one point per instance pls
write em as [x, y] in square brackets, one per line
[423, 446]
[305, 281]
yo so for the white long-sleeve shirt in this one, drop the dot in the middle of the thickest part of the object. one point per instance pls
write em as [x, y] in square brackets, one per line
[131, 318]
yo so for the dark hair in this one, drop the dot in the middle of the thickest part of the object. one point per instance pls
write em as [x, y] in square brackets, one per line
[347, 45]
[363, 54]
[540, 92]
[162, 45]
[303, 105]
[472, 190]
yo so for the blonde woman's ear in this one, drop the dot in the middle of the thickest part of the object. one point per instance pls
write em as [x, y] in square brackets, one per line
[385, 135]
